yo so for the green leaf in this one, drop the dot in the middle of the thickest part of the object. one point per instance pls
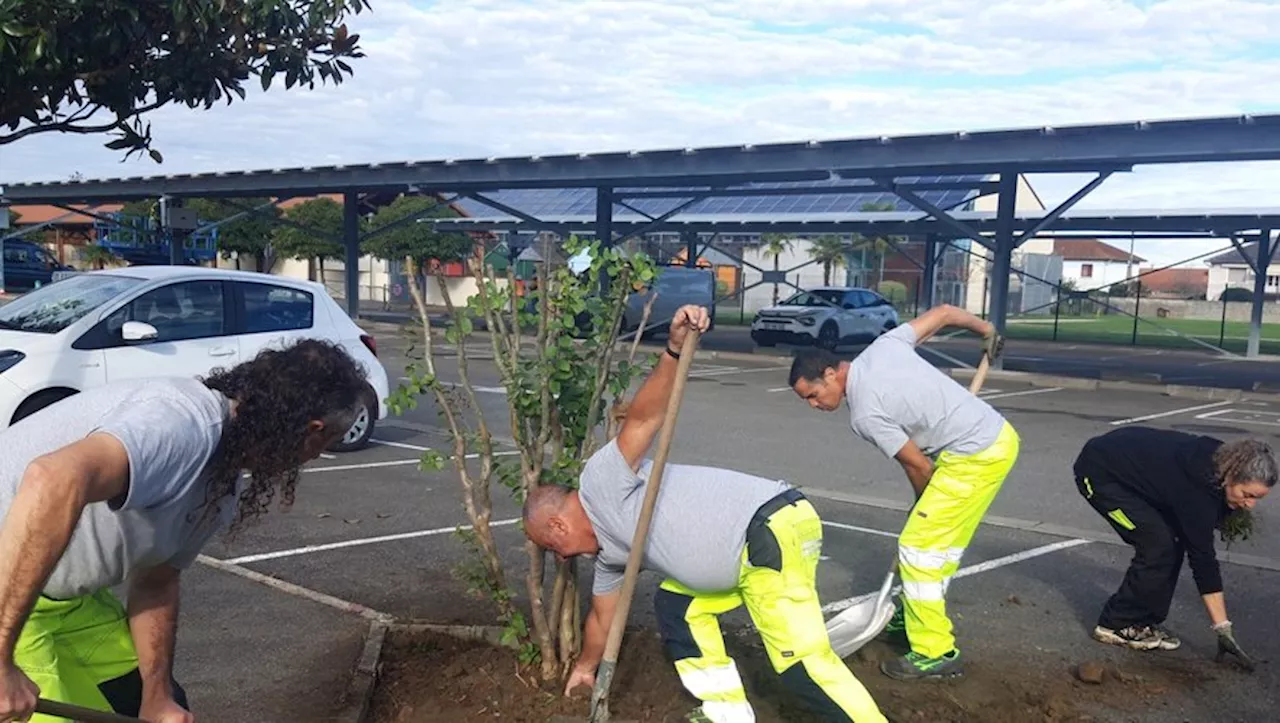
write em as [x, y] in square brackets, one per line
[155, 155]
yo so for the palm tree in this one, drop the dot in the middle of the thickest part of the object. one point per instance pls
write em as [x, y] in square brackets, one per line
[828, 250]
[776, 244]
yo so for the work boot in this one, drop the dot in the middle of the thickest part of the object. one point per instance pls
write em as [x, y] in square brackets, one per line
[1137, 637]
[895, 633]
[915, 666]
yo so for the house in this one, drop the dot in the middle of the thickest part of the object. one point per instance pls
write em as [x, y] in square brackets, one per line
[1090, 264]
[1176, 283]
[1231, 270]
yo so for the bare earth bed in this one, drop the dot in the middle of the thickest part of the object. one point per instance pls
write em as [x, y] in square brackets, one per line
[432, 678]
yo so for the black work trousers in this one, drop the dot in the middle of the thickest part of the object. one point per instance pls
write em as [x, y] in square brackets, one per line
[1147, 589]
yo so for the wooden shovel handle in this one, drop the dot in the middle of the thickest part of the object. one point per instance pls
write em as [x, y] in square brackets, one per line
[980, 376]
[614, 641]
[83, 715]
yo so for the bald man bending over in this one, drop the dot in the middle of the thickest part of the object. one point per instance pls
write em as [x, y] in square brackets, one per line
[722, 539]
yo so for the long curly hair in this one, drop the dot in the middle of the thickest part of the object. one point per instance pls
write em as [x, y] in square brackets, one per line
[1245, 460]
[277, 395]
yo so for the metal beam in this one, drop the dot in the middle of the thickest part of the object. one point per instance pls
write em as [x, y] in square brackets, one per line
[1265, 251]
[351, 245]
[1062, 208]
[509, 210]
[1244, 255]
[1028, 150]
[929, 278]
[604, 229]
[654, 223]
[856, 188]
[938, 214]
[1003, 259]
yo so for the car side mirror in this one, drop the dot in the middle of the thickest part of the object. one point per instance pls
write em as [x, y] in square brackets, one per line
[138, 331]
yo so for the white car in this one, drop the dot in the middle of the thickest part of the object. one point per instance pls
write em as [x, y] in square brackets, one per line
[97, 327]
[825, 317]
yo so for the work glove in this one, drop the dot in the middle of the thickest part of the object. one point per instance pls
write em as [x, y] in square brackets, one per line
[992, 345]
[1227, 644]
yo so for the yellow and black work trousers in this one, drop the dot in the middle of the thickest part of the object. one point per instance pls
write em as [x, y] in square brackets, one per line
[80, 651]
[939, 529]
[1147, 590]
[778, 586]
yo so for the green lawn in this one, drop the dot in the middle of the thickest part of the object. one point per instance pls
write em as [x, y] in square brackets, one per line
[1116, 329]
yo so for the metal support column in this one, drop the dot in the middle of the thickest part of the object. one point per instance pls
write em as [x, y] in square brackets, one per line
[1261, 266]
[1003, 253]
[604, 229]
[690, 248]
[929, 276]
[351, 245]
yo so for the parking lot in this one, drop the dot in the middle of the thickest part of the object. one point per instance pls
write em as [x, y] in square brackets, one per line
[370, 535]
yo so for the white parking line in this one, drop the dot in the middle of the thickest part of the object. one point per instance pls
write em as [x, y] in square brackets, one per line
[476, 389]
[393, 463]
[838, 605]
[246, 559]
[1023, 393]
[735, 370]
[1217, 416]
[855, 528]
[325, 455]
[1171, 413]
[778, 389]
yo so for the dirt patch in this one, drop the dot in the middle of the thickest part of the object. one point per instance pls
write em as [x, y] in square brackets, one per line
[432, 678]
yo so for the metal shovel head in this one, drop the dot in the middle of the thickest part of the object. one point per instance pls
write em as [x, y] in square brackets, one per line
[858, 625]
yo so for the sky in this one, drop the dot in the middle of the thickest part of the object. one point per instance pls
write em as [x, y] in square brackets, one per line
[480, 78]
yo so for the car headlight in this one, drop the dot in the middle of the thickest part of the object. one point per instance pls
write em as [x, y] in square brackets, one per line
[9, 357]
[806, 320]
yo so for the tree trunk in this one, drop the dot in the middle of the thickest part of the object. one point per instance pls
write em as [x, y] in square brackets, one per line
[775, 284]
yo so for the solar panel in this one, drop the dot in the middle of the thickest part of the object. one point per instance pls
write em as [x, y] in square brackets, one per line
[557, 203]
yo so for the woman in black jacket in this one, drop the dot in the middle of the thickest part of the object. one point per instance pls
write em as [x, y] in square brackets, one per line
[1165, 493]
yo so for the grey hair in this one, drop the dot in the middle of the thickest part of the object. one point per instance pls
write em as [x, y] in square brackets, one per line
[1246, 460]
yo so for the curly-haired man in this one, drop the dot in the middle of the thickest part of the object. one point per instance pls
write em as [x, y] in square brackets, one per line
[124, 484]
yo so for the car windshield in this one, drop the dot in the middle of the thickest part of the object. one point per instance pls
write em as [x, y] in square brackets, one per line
[821, 297]
[52, 308]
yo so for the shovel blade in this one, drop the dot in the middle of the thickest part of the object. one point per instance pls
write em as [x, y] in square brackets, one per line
[858, 625]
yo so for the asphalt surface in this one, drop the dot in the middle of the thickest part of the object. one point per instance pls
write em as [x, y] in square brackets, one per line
[1050, 561]
[1206, 368]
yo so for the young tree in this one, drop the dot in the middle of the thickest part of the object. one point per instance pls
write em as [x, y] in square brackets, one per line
[246, 236]
[100, 66]
[557, 392]
[322, 218]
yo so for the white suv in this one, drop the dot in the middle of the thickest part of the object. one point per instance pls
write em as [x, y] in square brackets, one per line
[93, 328]
[825, 317]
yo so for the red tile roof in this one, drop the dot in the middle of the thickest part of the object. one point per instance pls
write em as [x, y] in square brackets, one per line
[31, 215]
[1191, 281]
[1089, 249]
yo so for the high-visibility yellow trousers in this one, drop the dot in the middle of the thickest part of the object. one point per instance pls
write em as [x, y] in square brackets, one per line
[938, 530]
[80, 651]
[778, 586]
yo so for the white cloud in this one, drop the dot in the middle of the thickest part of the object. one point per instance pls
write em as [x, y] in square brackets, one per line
[500, 77]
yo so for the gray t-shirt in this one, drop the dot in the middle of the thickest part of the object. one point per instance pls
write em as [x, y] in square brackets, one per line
[895, 395]
[170, 428]
[699, 522]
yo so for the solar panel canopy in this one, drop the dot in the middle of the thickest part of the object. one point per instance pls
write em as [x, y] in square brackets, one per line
[549, 204]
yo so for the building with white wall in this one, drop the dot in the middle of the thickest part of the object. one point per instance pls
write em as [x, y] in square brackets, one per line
[1090, 264]
[1231, 270]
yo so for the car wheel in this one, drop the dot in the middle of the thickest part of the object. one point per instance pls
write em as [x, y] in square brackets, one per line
[829, 336]
[39, 401]
[361, 430]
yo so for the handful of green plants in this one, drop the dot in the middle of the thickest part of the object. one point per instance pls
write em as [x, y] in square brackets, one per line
[1237, 526]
